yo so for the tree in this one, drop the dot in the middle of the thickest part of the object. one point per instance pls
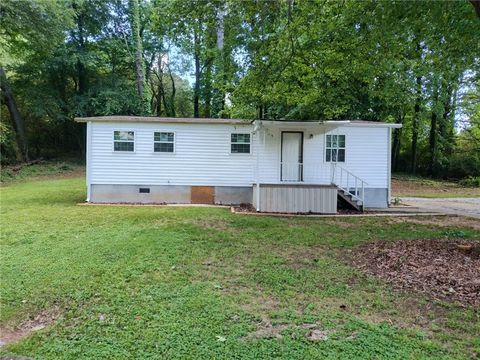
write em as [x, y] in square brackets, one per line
[8, 98]
[26, 29]
[138, 46]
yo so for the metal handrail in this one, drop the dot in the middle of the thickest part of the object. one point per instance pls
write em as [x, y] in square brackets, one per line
[358, 183]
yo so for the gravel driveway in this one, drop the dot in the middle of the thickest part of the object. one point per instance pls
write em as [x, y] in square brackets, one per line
[459, 206]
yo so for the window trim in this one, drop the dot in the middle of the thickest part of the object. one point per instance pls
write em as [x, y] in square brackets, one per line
[132, 141]
[249, 143]
[165, 142]
[337, 148]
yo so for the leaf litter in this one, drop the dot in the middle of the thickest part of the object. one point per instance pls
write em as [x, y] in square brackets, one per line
[442, 269]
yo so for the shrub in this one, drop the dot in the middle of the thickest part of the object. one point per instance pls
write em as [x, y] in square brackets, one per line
[471, 181]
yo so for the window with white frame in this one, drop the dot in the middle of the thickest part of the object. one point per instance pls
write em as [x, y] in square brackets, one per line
[163, 142]
[335, 148]
[240, 144]
[123, 141]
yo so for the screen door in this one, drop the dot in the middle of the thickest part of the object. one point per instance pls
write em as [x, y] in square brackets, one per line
[292, 156]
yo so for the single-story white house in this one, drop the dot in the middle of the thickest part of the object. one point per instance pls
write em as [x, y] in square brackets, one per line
[277, 166]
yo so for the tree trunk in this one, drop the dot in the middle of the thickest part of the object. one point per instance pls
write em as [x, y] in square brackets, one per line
[17, 119]
[221, 55]
[260, 112]
[207, 89]
[137, 40]
[415, 124]
[82, 78]
[158, 105]
[433, 143]
[397, 136]
[196, 89]
[446, 125]
[172, 94]
[447, 108]
[81, 86]
[81, 69]
[162, 93]
[161, 89]
[211, 43]
[476, 5]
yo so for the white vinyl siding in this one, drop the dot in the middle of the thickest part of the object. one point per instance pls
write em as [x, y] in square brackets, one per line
[366, 155]
[202, 156]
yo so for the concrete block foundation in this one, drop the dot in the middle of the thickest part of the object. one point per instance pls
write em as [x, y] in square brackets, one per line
[376, 198]
[233, 195]
[166, 194]
[309, 198]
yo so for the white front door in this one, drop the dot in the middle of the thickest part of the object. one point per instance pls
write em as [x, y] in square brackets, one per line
[291, 167]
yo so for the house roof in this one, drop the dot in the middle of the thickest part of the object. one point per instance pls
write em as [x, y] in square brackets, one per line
[154, 119]
[170, 120]
[329, 123]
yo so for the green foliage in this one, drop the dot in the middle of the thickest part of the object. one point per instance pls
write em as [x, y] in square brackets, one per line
[15, 173]
[7, 142]
[367, 60]
[455, 234]
[169, 282]
[31, 27]
[473, 181]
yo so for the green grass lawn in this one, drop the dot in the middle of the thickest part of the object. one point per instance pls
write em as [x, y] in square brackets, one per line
[166, 282]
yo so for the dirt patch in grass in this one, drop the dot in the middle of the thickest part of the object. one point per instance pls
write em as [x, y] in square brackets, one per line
[301, 257]
[439, 221]
[252, 300]
[9, 335]
[435, 267]
[262, 304]
[266, 330]
[213, 223]
[345, 223]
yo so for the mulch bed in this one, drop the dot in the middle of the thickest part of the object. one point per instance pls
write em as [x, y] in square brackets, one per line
[438, 268]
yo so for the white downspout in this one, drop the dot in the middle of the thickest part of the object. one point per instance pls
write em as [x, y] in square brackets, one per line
[257, 155]
[389, 167]
[88, 160]
[333, 168]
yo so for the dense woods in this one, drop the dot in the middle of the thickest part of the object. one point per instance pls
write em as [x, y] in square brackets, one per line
[415, 63]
